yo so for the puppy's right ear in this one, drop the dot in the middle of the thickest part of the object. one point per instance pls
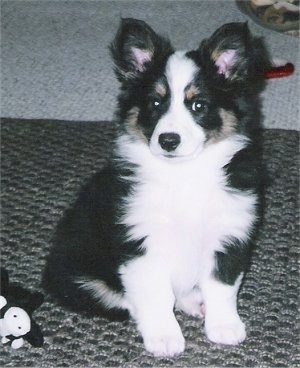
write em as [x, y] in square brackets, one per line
[135, 49]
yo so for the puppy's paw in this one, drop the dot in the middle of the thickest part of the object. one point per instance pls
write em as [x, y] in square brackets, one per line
[231, 333]
[164, 344]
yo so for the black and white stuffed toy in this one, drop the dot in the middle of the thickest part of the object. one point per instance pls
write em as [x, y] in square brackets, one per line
[16, 307]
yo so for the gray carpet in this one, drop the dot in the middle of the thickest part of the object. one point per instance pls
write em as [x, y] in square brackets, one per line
[56, 64]
[43, 165]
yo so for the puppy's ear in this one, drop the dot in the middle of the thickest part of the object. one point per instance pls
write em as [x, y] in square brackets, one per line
[135, 49]
[232, 56]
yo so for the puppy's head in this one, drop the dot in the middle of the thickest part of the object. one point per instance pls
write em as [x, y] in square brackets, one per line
[180, 102]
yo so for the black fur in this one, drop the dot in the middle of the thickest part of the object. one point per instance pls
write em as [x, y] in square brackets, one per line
[234, 260]
[89, 243]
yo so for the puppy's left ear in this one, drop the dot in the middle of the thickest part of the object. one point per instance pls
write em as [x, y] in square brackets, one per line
[232, 56]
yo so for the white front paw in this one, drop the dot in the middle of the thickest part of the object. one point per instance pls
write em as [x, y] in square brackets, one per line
[231, 333]
[164, 344]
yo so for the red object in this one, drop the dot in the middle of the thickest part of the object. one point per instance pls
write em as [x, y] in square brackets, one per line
[280, 71]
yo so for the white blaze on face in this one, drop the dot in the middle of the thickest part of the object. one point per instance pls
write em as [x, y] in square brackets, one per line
[180, 72]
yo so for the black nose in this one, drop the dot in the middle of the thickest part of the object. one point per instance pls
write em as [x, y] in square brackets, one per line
[169, 141]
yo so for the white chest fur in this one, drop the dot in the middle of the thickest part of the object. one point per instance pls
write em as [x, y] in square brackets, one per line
[184, 209]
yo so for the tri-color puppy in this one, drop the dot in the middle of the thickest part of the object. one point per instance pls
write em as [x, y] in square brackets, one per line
[168, 223]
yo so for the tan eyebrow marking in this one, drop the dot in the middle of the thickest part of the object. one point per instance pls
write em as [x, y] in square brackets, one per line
[191, 91]
[160, 89]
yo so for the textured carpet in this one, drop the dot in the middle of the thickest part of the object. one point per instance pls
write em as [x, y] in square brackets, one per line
[43, 165]
[56, 63]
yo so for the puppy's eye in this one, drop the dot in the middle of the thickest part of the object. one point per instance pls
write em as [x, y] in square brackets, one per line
[156, 104]
[198, 106]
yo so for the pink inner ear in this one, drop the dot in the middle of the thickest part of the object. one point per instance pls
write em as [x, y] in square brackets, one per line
[141, 57]
[225, 62]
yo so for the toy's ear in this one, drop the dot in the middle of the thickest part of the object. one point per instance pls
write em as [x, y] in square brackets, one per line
[135, 48]
[232, 56]
[35, 336]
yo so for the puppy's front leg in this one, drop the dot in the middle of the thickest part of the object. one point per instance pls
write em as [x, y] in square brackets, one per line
[222, 322]
[151, 301]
